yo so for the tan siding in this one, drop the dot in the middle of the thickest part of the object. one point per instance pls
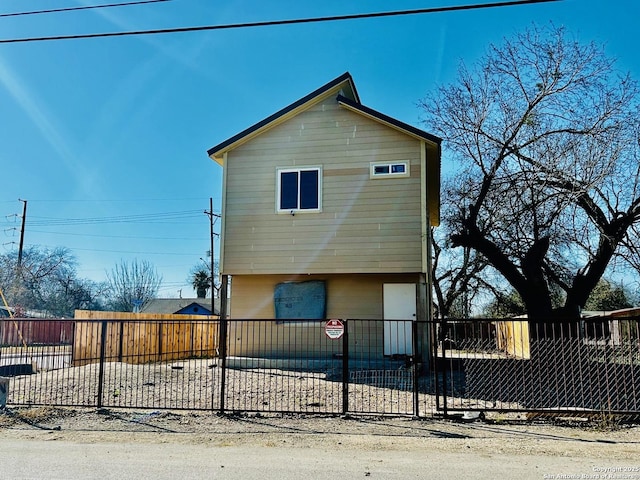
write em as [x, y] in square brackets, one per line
[348, 297]
[368, 225]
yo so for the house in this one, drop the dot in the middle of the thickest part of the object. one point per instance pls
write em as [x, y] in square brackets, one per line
[326, 212]
[181, 306]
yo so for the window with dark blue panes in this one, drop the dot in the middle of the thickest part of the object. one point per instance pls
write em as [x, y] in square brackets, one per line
[299, 189]
[398, 168]
[385, 169]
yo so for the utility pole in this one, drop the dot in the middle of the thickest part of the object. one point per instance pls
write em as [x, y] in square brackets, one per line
[24, 219]
[212, 220]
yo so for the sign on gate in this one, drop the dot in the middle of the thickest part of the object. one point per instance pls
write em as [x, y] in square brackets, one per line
[334, 329]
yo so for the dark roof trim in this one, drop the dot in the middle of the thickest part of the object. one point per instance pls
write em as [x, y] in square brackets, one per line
[389, 120]
[333, 83]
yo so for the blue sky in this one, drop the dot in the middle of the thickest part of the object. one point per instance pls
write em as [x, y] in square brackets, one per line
[106, 138]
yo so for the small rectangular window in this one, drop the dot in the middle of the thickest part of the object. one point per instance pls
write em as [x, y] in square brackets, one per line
[381, 169]
[299, 189]
[389, 169]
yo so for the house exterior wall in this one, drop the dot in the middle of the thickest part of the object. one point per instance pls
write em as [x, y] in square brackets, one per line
[348, 297]
[365, 225]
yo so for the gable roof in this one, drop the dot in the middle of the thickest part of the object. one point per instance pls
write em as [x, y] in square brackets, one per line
[175, 305]
[342, 85]
[347, 96]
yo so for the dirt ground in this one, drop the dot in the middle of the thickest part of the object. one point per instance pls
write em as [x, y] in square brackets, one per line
[600, 438]
[546, 447]
[67, 443]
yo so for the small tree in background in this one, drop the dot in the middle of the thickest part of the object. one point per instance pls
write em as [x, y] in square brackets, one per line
[47, 282]
[507, 305]
[607, 296]
[132, 285]
[201, 281]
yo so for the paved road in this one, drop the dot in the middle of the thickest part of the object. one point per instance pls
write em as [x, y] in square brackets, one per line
[69, 444]
[44, 457]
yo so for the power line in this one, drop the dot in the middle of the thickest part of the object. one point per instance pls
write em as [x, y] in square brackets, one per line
[135, 237]
[280, 22]
[87, 7]
[142, 218]
[136, 252]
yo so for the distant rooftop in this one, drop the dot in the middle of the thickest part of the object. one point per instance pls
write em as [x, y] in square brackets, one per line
[201, 306]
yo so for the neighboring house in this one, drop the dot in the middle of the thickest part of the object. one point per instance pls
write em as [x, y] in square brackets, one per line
[182, 306]
[326, 212]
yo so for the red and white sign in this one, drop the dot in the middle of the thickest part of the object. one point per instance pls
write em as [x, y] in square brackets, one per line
[334, 329]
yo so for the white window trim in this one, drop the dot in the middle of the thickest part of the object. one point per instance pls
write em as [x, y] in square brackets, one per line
[280, 170]
[373, 165]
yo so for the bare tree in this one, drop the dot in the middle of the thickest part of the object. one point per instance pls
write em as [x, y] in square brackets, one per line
[133, 285]
[548, 190]
[457, 278]
[47, 281]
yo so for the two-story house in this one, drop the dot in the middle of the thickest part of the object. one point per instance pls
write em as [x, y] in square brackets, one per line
[326, 211]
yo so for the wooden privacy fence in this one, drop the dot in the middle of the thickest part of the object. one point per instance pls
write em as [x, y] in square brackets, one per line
[142, 338]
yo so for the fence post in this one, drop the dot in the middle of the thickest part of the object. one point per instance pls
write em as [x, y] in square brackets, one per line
[415, 367]
[435, 368]
[345, 368]
[443, 335]
[222, 342]
[121, 341]
[103, 343]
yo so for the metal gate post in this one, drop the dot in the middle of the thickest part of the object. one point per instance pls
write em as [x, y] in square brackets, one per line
[223, 361]
[415, 368]
[103, 342]
[345, 368]
[435, 369]
[443, 335]
[222, 342]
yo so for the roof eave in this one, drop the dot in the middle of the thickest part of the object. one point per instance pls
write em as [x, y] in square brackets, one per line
[216, 152]
[389, 121]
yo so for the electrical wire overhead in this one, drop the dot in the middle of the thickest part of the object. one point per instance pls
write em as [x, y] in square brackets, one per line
[142, 218]
[281, 22]
[86, 7]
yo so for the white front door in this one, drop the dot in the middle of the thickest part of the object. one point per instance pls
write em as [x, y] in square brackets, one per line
[399, 304]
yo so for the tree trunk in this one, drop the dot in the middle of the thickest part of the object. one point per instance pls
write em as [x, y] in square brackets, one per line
[536, 295]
